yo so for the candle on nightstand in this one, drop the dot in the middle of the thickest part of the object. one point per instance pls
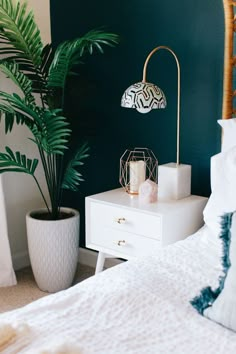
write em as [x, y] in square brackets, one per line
[137, 175]
[174, 181]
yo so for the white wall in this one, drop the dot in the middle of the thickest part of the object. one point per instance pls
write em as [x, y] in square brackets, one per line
[20, 190]
[42, 16]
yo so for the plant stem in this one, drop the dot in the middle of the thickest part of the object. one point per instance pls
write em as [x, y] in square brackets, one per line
[45, 201]
[46, 172]
[60, 175]
[53, 176]
[58, 161]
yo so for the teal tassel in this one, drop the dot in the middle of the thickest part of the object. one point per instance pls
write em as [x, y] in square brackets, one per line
[205, 299]
[207, 296]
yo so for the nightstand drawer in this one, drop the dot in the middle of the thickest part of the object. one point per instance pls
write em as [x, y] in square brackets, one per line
[125, 220]
[124, 243]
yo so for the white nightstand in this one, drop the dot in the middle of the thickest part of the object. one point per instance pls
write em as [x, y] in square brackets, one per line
[117, 225]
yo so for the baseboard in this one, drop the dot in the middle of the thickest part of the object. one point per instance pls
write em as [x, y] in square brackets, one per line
[86, 256]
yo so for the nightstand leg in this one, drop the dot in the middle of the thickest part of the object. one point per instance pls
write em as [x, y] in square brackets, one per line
[100, 262]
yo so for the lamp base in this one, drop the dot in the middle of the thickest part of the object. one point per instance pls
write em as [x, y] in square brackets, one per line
[174, 181]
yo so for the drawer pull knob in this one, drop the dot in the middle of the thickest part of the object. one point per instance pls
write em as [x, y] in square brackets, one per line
[120, 220]
[119, 242]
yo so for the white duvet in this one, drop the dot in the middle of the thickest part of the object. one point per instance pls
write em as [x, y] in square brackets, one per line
[138, 307]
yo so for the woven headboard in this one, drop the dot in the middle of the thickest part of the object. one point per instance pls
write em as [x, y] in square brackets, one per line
[229, 90]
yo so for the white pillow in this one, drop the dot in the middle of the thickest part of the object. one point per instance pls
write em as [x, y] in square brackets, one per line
[229, 133]
[219, 304]
[223, 185]
[223, 309]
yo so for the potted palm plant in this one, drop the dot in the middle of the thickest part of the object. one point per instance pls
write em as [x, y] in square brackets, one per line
[40, 73]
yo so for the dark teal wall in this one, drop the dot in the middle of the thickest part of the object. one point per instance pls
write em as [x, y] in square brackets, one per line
[195, 31]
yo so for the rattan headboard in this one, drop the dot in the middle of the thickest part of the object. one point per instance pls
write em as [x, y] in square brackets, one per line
[229, 91]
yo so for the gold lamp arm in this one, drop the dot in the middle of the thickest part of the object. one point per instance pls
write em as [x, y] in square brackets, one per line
[178, 91]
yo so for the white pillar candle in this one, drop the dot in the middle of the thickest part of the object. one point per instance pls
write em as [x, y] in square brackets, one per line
[137, 175]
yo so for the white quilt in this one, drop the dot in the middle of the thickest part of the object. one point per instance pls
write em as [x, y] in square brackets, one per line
[138, 307]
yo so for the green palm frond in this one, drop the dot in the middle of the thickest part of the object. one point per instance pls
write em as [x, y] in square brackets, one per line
[16, 162]
[49, 127]
[13, 103]
[35, 68]
[15, 117]
[47, 58]
[69, 53]
[39, 80]
[95, 39]
[72, 177]
[52, 133]
[19, 35]
[11, 70]
[15, 113]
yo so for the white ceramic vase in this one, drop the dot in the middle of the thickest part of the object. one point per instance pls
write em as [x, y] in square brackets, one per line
[53, 250]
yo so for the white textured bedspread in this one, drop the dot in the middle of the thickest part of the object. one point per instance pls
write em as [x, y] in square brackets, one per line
[139, 307]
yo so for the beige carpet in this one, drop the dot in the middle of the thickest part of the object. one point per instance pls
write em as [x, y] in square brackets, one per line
[26, 290]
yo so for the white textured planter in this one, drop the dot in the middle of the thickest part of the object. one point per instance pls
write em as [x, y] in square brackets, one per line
[53, 250]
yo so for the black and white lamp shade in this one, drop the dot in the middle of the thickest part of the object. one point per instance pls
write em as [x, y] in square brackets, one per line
[143, 96]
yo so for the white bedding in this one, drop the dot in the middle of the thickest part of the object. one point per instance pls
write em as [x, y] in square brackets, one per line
[139, 307]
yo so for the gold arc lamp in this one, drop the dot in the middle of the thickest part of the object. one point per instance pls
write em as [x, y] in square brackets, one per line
[174, 179]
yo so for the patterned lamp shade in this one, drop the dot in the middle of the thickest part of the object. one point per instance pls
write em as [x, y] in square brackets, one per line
[143, 96]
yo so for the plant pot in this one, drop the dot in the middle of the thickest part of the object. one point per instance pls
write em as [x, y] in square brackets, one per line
[53, 249]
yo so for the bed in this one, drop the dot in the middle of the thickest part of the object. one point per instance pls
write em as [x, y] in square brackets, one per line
[140, 306]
